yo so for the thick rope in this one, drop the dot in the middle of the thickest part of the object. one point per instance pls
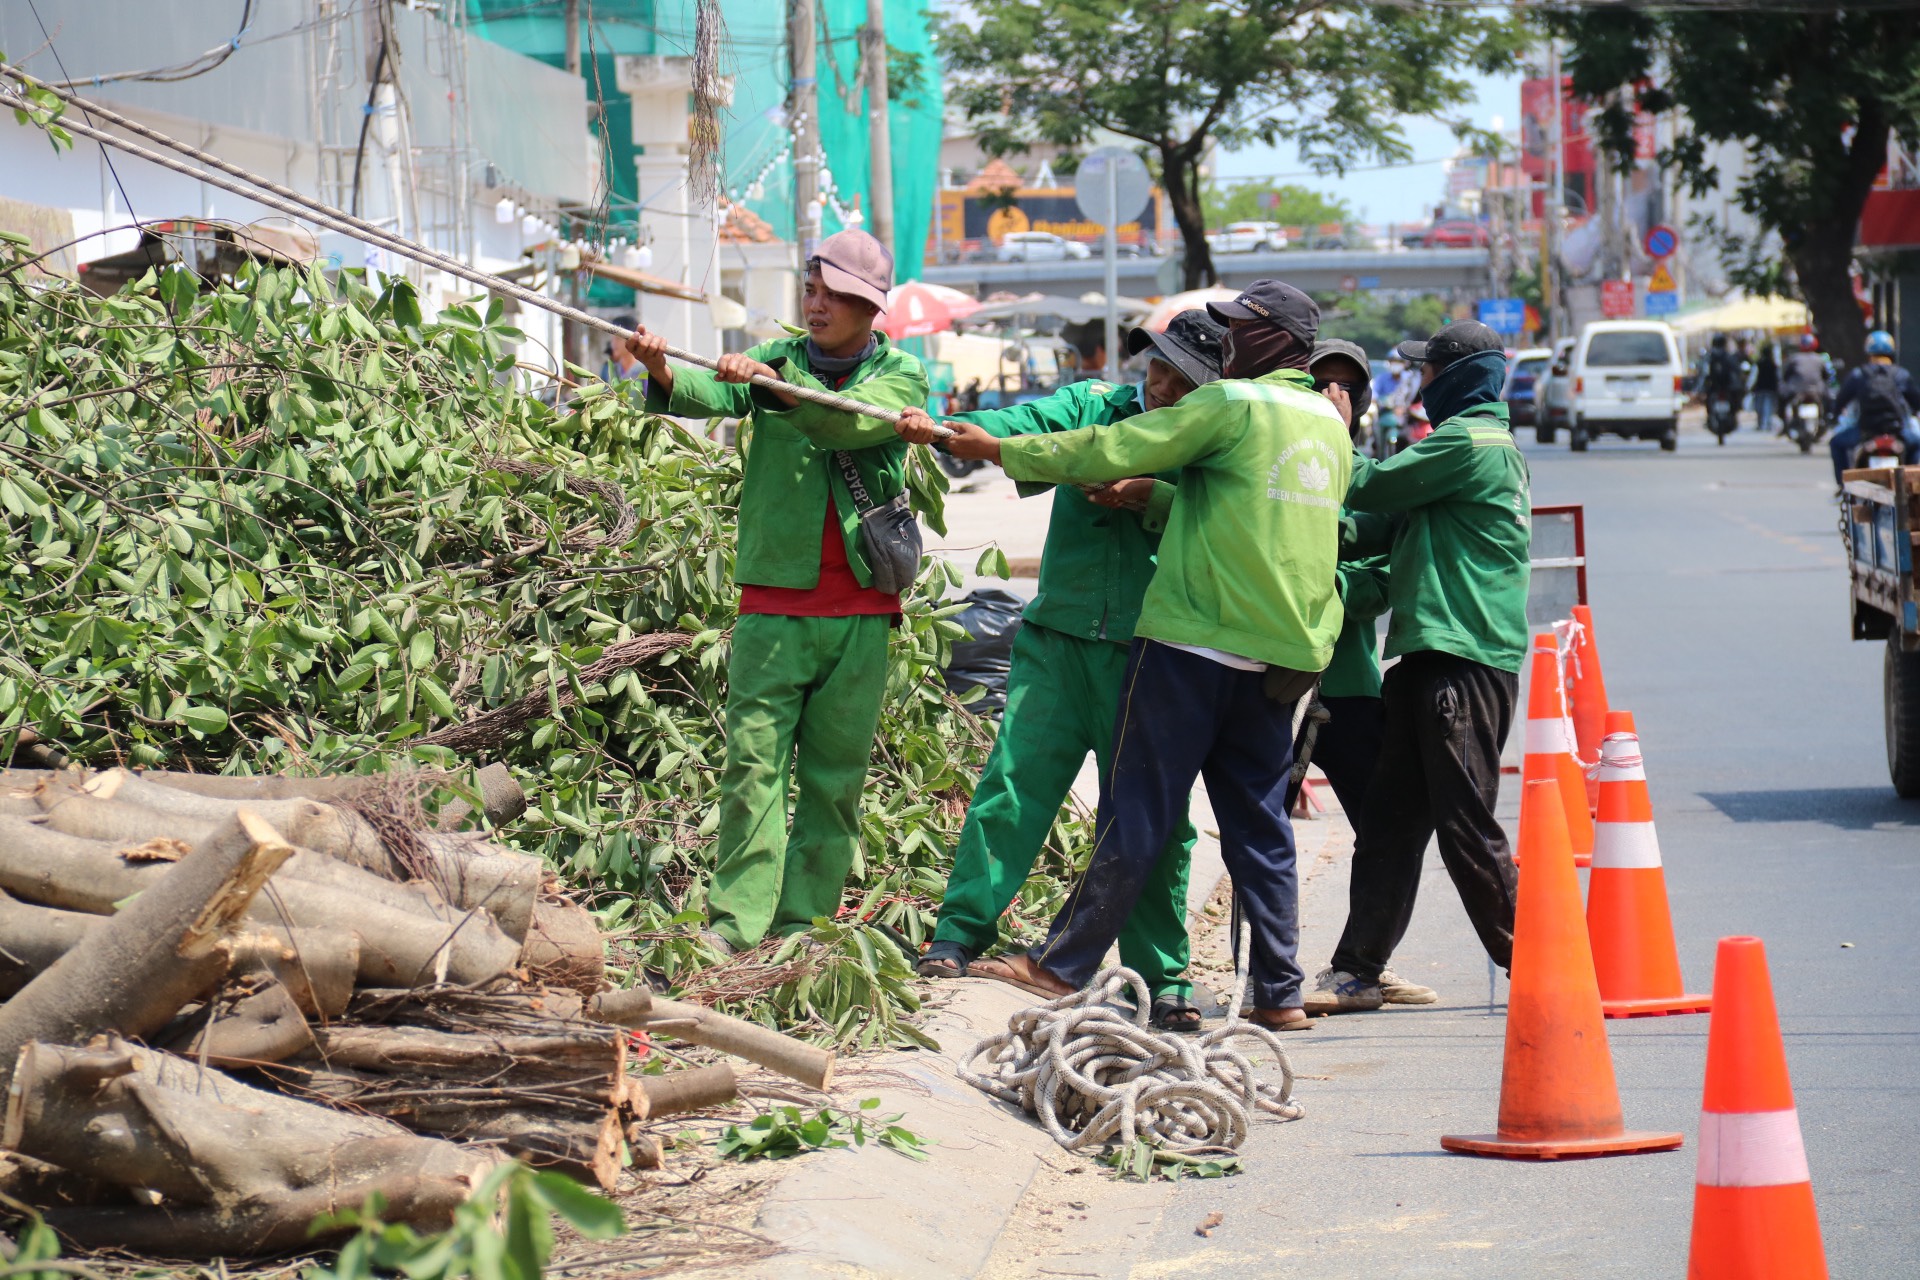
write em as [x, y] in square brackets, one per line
[1092, 1075]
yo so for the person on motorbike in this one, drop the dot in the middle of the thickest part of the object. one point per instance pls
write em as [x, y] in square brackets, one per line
[1807, 373]
[1722, 383]
[1883, 398]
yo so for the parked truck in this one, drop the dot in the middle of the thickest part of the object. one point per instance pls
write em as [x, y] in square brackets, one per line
[1880, 515]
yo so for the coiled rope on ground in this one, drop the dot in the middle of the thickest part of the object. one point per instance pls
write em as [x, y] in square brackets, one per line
[1092, 1074]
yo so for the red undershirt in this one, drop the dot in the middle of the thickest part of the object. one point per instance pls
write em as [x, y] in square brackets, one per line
[838, 593]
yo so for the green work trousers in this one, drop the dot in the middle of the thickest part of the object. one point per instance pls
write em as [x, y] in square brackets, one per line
[803, 701]
[1062, 692]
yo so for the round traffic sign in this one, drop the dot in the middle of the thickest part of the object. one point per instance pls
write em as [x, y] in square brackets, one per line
[1662, 240]
[1112, 186]
[1349, 284]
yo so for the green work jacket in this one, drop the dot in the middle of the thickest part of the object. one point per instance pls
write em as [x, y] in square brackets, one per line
[1461, 548]
[1355, 669]
[790, 468]
[1098, 561]
[1247, 561]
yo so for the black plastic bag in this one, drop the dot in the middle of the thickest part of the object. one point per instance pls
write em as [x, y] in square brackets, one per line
[992, 618]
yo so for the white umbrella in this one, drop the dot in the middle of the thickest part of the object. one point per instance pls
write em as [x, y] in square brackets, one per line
[1169, 307]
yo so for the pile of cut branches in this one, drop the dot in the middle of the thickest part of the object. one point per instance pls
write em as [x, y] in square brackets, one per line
[230, 1012]
[285, 522]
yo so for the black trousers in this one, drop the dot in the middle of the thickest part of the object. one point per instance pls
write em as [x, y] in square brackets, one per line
[1184, 716]
[1346, 749]
[1439, 772]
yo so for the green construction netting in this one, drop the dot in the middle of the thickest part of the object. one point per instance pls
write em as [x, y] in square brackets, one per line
[756, 130]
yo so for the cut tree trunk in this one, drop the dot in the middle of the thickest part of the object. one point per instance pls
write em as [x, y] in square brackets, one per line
[557, 1099]
[564, 947]
[32, 938]
[60, 870]
[501, 797]
[81, 813]
[398, 948]
[335, 830]
[244, 1171]
[248, 1028]
[697, 1024]
[135, 970]
[316, 966]
[694, 1089]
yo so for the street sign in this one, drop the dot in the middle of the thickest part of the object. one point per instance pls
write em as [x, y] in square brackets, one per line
[1662, 241]
[1663, 304]
[1112, 187]
[1661, 281]
[1503, 315]
[1369, 282]
[1119, 201]
[1616, 299]
[1349, 283]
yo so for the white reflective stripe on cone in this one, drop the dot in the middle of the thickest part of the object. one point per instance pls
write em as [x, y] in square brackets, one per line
[1620, 846]
[1610, 772]
[1547, 738]
[1751, 1149]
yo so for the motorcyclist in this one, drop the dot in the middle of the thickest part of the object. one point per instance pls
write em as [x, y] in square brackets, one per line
[1883, 399]
[1723, 378]
[1807, 374]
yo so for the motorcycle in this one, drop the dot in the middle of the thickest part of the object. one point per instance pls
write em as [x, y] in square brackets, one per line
[958, 468]
[1723, 415]
[1386, 434]
[1806, 421]
[1883, 450]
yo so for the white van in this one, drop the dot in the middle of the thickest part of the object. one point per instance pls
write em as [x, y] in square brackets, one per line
[1626, 381]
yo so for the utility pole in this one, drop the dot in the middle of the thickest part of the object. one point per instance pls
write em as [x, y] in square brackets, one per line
[803, 117]
[1556, 208]
[573, 335]
[879, 127]
[573, 36]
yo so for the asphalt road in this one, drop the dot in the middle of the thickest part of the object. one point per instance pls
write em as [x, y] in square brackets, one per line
[1719, 594]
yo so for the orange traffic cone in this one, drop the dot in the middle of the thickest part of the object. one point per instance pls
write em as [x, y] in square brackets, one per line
[1587, 696]
[1557, 1092]
[1550, 752]
[1753, 1214]
[1628, 920]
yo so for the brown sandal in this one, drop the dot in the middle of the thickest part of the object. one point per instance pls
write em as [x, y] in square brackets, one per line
[1018, 970]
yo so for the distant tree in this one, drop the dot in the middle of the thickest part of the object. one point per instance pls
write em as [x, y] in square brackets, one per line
[1380, 325]
[1812, 96]
[1290, 205]
[1181, 76]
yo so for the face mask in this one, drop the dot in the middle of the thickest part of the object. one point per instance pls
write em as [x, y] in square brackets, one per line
[1255, 349]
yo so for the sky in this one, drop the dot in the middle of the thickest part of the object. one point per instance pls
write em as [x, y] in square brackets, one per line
[1400, 194]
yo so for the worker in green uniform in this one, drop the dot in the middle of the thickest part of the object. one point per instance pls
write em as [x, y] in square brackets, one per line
[1460, 562]
[1064, 684]
[1236, 626]
[809, 659]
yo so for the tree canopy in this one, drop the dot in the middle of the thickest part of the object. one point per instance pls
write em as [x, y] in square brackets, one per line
[1288, 204]
[1812, 97]
[1333, 78]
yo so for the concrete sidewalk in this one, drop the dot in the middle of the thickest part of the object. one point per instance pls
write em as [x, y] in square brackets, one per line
[996, 1194]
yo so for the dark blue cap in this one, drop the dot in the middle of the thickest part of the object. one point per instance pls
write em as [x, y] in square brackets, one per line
[1276, 302]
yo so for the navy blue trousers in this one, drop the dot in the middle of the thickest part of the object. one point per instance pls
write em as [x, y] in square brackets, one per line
[1182, 716]
[1345, 749]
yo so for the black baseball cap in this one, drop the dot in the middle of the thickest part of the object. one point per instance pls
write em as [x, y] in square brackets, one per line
[1276, 302]
[1191, 344]
[1461, 338]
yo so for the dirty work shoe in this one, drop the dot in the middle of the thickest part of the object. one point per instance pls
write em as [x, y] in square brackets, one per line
[1395, 989]
[1335, 991]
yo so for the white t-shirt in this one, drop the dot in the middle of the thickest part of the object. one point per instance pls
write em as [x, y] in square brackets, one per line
[1221, 656]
